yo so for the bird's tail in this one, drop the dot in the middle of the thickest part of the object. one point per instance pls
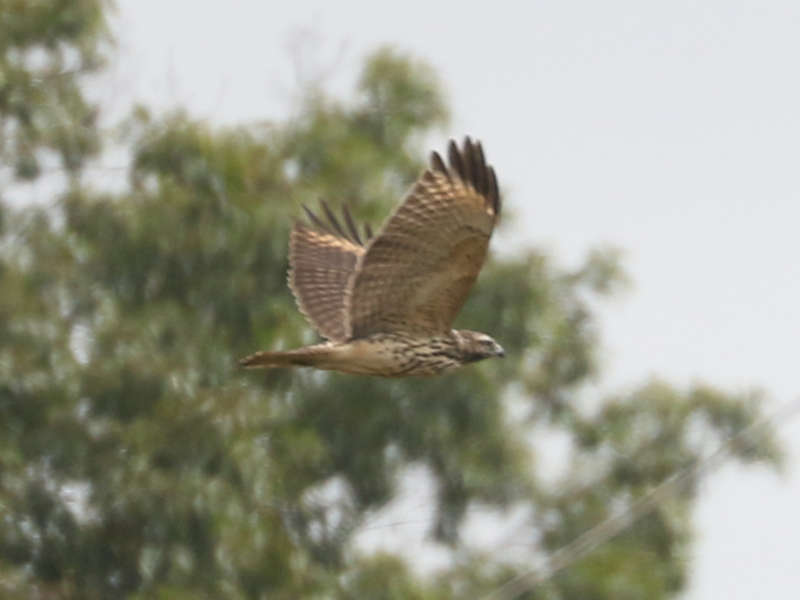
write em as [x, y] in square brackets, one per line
[309, 356]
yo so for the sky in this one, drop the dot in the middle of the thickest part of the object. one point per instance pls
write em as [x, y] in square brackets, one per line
[669, 129]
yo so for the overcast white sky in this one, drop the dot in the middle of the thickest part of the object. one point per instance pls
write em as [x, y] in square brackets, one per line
[669, 128]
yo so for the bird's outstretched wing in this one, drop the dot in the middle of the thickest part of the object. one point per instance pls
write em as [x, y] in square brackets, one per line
[322, 260]
[417, 271]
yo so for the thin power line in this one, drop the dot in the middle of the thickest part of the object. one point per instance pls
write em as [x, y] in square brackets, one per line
[616, 524]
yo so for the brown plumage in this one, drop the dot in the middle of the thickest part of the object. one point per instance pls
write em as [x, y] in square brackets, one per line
[387, 303]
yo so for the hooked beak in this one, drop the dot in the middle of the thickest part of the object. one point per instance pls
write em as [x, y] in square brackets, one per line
[498, 350]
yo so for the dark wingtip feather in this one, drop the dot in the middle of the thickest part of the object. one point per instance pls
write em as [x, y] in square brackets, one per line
[454, 158]
[494, 190]
[332, 219]
[468, 160]
[348, 219]
[481, 175]
[334, 226]
[315, 220]
[438, 164]
[470, 165]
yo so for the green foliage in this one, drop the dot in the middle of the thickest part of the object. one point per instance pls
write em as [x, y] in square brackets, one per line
[401, 95]
[139, 461]
[47, 48]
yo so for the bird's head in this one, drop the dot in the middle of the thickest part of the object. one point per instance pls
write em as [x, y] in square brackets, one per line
[475, 346]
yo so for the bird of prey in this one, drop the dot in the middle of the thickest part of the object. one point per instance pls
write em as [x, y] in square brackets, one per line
[386, 304]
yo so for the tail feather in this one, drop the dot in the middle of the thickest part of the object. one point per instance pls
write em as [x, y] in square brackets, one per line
[309, 356]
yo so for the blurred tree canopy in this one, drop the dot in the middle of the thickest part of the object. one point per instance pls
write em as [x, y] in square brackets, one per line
[137, 460]
[46, 48]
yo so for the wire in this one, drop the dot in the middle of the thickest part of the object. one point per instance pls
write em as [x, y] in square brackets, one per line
[616, 524]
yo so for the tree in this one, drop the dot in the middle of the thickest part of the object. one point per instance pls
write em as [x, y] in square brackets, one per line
[139, 461]
[47, 49]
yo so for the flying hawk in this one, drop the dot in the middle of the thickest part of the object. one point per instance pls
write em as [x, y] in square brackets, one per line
[387, 304]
